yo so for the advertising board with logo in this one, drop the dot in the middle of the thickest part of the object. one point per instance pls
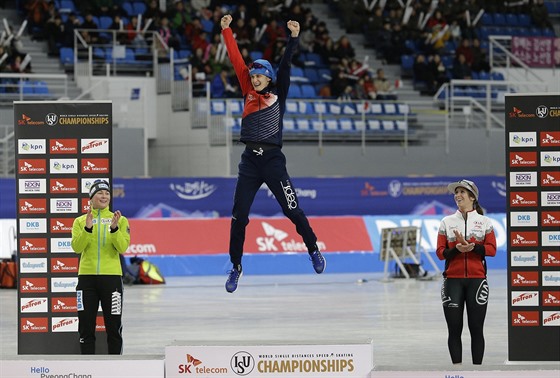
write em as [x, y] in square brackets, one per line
[533, 190]
[313, 361]
[59, 144]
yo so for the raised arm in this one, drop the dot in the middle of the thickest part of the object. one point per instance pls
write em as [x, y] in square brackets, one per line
[235, 56]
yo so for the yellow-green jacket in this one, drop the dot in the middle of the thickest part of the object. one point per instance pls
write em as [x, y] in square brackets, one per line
[100, 249]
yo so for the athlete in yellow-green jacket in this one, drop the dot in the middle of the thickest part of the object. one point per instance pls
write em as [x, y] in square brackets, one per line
[99, 237]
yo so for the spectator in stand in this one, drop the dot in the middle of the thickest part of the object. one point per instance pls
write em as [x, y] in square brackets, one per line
[72, 23]
[222, 85]
[423, 77]
[480, 60]
[436, 19]
[37, 16]
[465, 49]
[242, 33]
[89, 23]
[369, 86]
[153, 12]
[385, 89]
[193, 29]
[539, 15]
[167, 35]
[55, 33]
[135, 34]
[438, 71]
[20, 64]
[461, 69]
[119, 27]
[344, 49]
[180, 16]
[374, 26]
[339, 83]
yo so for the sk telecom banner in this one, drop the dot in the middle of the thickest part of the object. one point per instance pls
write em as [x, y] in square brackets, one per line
[533, 210]
[264, 235]
[62, 147]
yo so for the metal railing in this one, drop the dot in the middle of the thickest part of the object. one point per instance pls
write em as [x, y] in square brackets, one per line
[7, 151]
[20, 87]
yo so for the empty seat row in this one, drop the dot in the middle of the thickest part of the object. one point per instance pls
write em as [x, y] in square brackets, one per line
[294, 107]
[344, 125]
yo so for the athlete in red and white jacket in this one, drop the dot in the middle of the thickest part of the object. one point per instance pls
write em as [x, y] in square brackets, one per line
[464, 240]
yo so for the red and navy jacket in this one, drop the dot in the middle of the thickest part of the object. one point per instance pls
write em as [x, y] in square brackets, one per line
[263, 112]
[476, 229]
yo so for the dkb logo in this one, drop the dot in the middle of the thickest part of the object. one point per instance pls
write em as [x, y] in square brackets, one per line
[242, 363]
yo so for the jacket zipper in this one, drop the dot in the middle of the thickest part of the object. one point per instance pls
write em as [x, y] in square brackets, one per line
[98, 241]
[465, 254]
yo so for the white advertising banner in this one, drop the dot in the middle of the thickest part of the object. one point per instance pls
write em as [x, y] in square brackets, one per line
[97, 368]
[301, 361]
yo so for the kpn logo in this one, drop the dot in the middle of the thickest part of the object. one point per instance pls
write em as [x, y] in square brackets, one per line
[193, 365]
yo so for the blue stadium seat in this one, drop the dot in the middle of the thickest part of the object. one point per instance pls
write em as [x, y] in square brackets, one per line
[486, 19]
[401, 125]
[26, 87]
[524, 19]
[373, 125]
[407, 64]
[128, 8]
[346, 124]
[255, 55]
[303, 124]
[325, 75]
[388, 125]
[312, 74]
[332, 125]
[207, 25]
[67, 55]
[139, 7]
[512, 20]
[312, 59]
[292, 107]
[319, 107]
[289, 124]
[497, 76]
[105, 22]
[217, 107]
[390, 109]
[294, 91]
[235, 107]
[67, 6]
[499, 19]
[41, 88]
[376, 108]
[317, 125]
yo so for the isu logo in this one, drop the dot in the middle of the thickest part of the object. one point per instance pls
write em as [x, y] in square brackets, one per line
[524, 239]
[522, 159]
[525, 318]
[551, 298]
[525, 279]
[64, 146]
[550, 138]
[190, 365]
[550, 178]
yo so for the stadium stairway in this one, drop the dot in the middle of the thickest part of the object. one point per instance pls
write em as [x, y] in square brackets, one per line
[430, 122]
[41, 63]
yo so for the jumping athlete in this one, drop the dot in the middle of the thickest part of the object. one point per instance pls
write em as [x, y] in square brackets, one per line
[464, 240]
[262, 160]
[99, 237]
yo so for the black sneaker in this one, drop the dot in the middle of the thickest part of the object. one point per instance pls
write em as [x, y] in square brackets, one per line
[233, 278]
[319, 262]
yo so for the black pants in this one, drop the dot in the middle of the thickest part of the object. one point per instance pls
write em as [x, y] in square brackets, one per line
[455, 293]
[108, 290]
[260, 166]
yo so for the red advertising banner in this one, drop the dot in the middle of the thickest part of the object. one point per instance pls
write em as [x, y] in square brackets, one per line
[537, 51]
[264, 235]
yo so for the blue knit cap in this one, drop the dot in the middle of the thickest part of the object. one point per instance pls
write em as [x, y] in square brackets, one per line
[263, 67]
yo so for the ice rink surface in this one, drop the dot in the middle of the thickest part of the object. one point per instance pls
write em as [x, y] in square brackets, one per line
[403, 318]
